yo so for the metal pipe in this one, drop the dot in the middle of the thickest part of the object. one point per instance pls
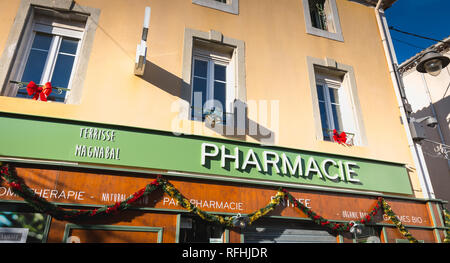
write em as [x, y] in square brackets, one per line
[419, 162]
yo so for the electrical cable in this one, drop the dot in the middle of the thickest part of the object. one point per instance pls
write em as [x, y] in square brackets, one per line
[407, 43]
[412, 34]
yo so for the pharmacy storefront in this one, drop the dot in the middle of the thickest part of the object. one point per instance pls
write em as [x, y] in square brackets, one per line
[72, 181]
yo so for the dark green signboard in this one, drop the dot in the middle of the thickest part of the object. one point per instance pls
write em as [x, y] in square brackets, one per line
[73, 141]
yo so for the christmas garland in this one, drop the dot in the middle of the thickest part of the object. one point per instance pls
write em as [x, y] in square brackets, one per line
[447, 226]
[388, 211]
[326, 223]
[42, 205]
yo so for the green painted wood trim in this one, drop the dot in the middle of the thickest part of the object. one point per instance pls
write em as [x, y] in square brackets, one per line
[48, 222]
[146, 130]
[383, 230]
[69, 227]
[407, 241]
[433, 221]
[226, 236]
[148, 209]
[137, 147]
[178, 229]
[221, 179]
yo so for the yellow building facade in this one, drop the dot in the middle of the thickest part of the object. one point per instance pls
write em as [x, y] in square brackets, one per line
[300, 68]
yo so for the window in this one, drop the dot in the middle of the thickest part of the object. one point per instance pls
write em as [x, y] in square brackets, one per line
[335, 101]
[328, 93]
[367, 234]
[49, 41]
[196, 230]
[322, 19]
[51, 58]
[19, 227]
[321, 15]
[213, 76]
[284, 231]
[229, 6]
[213, 80]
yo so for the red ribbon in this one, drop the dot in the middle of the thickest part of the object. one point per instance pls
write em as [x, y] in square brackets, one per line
[41, 92]
[339, 138]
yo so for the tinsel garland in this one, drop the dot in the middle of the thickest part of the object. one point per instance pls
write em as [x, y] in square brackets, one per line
[388, 211]
[447, 226]
[42, 205]
[325, 222]
[231, 221]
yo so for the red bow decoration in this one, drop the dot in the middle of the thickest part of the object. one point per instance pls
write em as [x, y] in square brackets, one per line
[339, 138]
[41, 92]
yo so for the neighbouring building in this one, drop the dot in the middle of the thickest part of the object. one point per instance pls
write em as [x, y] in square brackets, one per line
[430, 96]
[229, 101]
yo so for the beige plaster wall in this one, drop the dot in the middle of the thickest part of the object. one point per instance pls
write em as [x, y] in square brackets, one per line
[276, 46]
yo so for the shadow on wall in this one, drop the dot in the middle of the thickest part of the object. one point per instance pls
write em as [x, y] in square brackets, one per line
[438, 166]
[238, 127]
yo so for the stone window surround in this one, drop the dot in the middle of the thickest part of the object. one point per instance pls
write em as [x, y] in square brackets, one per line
[217, 37]
[13, 43]
[319, 32]
[352, 89]
[232, 6]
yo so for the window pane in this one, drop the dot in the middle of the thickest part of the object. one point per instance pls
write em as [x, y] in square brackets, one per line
[42, 41]
[337, 117]
[35, 66]
[220, 95]
[199, 86]
[324, 121]
[61, 76]
[36, 59]
[200, 68]
[34, 222]
[320, 92]
[219, 72]
[334, 98]
[69, 46]
[318, 15]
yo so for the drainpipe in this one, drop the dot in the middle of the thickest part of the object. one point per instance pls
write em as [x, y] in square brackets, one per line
[417, 154]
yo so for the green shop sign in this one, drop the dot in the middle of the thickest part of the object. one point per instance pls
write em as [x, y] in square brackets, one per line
[74, 141]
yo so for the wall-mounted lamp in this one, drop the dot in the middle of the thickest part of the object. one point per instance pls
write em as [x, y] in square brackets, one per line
[417, 127]
[432, 63]
[141, 51]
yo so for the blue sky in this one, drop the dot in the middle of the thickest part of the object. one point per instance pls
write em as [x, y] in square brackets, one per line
[429, 18]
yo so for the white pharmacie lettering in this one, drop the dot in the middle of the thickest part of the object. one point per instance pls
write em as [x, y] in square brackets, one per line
[349, 172]
[206, 154]
[254, 160]
[288, 166]
[273, 161]
[312, 167]
[265, 161]
[325, 170]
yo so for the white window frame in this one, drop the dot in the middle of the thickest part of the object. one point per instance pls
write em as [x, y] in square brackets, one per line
[328, 83]
[58, 32]
[231, 6]
[334, 16]
[350, 107]
[213, 58]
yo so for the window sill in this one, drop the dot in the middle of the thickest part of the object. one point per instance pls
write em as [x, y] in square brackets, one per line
[232, 8]
[323, 33]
